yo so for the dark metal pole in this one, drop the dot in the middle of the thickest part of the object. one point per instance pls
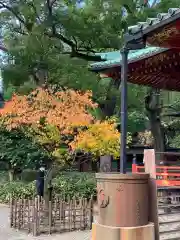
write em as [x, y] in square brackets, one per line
[124, 76]
[1, 91]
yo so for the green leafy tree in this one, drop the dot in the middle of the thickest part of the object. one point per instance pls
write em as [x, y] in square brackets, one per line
[43, 36]
[18, 152]
[40, 33]
[51, 41]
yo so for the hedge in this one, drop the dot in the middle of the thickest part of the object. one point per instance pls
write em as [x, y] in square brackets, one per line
[65, 185]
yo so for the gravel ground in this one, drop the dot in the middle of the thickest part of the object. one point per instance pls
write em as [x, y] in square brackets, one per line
[6, 233]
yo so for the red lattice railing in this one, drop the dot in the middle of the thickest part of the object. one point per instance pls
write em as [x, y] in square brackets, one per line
[165, 175]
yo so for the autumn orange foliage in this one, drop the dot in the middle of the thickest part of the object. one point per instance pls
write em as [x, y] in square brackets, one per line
[64, 109]
[101, 138]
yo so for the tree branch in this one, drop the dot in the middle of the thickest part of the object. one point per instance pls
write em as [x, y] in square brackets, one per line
[153, 3]
[49, 7]
[59, 36]
[10, 9]
[74, 52]
[4, 49]
[169, 107]
[172, 115]
[50, 3]
[20, 31]
[55, 34]
[35, 11]
[28, 25]
[86, 56]
[129, 11]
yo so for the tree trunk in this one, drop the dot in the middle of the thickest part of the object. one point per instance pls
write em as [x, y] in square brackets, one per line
[47, 189]
[153, 109]
[11, 175]
[14, 175]
[109, 105]
[94, 166]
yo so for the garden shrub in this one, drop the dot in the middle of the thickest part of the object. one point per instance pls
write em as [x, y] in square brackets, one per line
[65, 185]
[4, 176]
[16, 190]
[75, 185]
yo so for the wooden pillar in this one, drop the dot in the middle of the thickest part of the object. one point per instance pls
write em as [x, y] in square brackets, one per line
[150, 167]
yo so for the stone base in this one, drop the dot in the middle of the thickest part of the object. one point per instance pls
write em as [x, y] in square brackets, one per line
[100, 232]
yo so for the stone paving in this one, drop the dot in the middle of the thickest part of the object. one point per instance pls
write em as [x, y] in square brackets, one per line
[6, 233]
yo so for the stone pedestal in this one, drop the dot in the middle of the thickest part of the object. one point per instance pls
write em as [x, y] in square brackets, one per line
[123, 207]
[127, 233]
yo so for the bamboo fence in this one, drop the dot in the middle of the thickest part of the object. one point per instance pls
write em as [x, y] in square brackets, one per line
[37, 217]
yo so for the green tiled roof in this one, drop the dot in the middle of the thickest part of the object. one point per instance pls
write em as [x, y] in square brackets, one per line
[114, 58]
[153, 23]
[111, 55]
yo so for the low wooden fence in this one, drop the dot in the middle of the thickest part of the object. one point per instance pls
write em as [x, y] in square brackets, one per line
[36, 217]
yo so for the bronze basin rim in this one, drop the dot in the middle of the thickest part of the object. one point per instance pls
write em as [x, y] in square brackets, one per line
[120, 176]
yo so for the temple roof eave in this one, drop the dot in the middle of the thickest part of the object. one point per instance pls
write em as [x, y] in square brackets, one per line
[152, 24]
[160, 70]
[134, 56]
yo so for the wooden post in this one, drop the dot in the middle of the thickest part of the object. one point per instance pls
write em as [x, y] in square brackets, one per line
[63, 213]
[35, 217]
[47, 182]
[106, 163]
[70, 214]
[19, 213]
[91, 212]
[15, 213]
[150, 167]
[74, 213]
[11, 212]
[134, 168]
[23, 216]
[29, 216]
[50, 217]
[81, 214]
